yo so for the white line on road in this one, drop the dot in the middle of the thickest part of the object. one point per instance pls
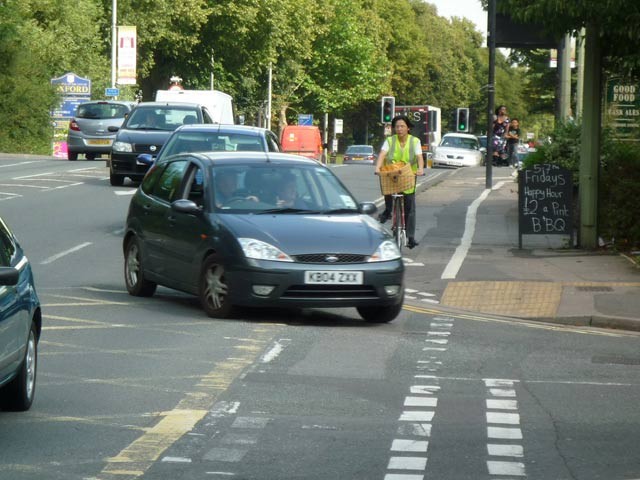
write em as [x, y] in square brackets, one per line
[57, 256]
[18, 164]
[33, 176]
[454, 265]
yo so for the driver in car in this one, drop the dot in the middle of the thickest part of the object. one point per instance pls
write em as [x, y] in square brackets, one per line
[226, 189]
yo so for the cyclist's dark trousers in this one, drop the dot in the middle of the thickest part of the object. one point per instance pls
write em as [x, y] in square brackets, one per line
[409, 211]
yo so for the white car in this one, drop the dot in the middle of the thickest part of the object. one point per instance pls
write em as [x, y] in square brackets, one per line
[458, 150]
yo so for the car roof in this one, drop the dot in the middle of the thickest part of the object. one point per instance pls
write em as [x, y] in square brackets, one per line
[461, 135]
[117, 102]
[222, 128]
[167, 104]
[238, 158]
[360, 146]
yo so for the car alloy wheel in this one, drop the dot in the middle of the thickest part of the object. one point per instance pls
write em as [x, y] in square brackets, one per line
[134, 279]
[213, 289]
[18, 394]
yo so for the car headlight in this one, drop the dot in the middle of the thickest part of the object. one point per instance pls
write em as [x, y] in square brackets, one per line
[387, 250]
[260, 250]
[122, 147]
[439, 156]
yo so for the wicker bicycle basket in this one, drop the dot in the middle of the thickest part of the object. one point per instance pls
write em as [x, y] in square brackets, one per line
[396, 177]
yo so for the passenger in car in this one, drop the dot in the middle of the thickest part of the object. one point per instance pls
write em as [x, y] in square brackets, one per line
[287, 195]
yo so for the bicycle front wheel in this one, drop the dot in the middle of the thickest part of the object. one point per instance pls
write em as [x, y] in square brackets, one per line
[399, 234]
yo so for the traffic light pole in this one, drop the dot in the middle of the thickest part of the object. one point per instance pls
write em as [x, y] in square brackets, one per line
[491, 44]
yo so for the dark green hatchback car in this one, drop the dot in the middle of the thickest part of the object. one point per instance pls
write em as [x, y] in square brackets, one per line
[259, 229]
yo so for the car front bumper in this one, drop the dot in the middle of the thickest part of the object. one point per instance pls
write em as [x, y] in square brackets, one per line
[126, 164]
[382, 285]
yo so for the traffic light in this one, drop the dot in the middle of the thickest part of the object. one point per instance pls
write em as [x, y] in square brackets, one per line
[388, 109]
[462, 120]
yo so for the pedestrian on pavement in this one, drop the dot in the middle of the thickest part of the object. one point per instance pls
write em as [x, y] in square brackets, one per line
[402, 147]
[513, 139]
[500, 126]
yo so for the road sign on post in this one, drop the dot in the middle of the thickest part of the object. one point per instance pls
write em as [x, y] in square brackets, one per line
[388, 106]
[111, 92]
[305, 119]
[337, 126]
[462, 120]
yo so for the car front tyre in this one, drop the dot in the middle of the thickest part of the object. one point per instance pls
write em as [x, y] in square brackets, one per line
[116, 180]
[72, 156]
[380, 314]
[136, 284]
[18, 394]
[214, 289]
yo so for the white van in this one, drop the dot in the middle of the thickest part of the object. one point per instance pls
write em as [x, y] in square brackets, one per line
[219, 104]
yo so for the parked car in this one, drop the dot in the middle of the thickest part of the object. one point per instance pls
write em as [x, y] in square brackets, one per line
[20, 325]
[89, 133]
[262, 230]
[216, 137]
[359, 154]
[482, 140]
[145, 130]
[458, 150]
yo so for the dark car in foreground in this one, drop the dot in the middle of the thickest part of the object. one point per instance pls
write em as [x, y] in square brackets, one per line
[259, 230]
[20, 325]
[89, 133]
[145, 130]
[359, 154]
[216, 138]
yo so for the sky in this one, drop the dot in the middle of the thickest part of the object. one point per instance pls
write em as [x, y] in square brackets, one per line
[470, 9]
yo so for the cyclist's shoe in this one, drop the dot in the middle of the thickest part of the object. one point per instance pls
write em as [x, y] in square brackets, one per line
[383, 217]
[411, 243]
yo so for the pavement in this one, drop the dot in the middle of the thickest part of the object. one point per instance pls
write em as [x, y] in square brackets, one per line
[547, 280]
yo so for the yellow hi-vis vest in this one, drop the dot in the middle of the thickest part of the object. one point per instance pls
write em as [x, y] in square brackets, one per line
[406, 155]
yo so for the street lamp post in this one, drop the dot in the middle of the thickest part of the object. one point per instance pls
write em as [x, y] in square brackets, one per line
[114, 41]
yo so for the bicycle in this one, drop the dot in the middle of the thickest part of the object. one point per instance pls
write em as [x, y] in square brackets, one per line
[394, 183]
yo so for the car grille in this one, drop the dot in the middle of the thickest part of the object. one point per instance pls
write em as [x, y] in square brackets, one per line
[142, 148]
[330, 291]
[324, 258]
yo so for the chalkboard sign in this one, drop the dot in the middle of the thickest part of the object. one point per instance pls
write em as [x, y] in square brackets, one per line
[545, 201]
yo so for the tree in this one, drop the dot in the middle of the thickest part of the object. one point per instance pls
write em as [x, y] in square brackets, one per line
[32, 53]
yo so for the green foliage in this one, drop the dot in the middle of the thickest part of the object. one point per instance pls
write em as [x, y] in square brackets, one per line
[338, 56]
[563, 149]
[618, 206]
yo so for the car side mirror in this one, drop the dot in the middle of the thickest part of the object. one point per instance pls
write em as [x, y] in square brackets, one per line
[9, 276]
[186, 206]
[145, 158]
[483, 150]
[112, 128]
[368, 208]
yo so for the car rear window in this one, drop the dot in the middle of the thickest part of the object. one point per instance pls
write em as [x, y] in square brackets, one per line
[165, 118]
[101, 111]
[359, 150]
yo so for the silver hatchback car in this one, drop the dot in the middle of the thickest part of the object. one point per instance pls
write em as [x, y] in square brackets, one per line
[89, 129]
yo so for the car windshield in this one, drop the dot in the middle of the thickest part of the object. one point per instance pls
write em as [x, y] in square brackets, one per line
[208, 141]
[101, 111]
[160, 118]
[359, 150]
[276, 188]
[460, 142]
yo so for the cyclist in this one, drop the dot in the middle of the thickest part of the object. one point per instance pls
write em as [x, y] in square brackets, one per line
[402, 147]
